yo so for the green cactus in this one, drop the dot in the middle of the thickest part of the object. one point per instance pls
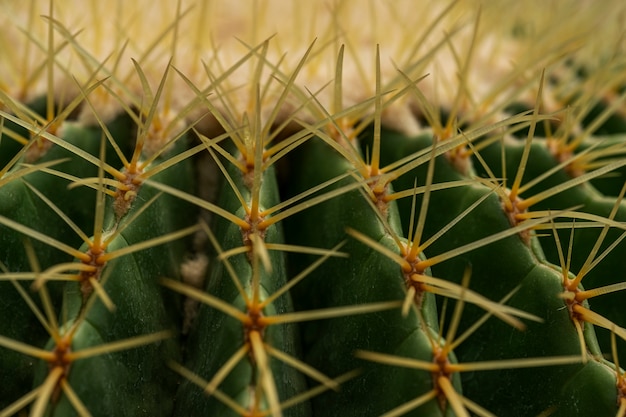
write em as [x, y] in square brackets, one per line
[221, 209]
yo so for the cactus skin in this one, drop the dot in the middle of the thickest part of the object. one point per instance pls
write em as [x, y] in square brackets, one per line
[210, 347]
[365, 277]
[353, 342]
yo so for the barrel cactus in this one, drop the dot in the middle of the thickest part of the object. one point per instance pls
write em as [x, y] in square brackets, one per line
[312, 208]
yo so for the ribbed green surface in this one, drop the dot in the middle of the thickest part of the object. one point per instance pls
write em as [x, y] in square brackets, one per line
[291, 190]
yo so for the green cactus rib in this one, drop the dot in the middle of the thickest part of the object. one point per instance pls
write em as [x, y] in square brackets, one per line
[584, 241]
[129, 301]
[135, 380]
[587, 391]
[245, 281]
[21, 203]
[366, 277]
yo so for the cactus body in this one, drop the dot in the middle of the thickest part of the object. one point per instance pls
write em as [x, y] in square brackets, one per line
[232, 232]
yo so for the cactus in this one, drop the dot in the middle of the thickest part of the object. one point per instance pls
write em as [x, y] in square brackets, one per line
[290, 209]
